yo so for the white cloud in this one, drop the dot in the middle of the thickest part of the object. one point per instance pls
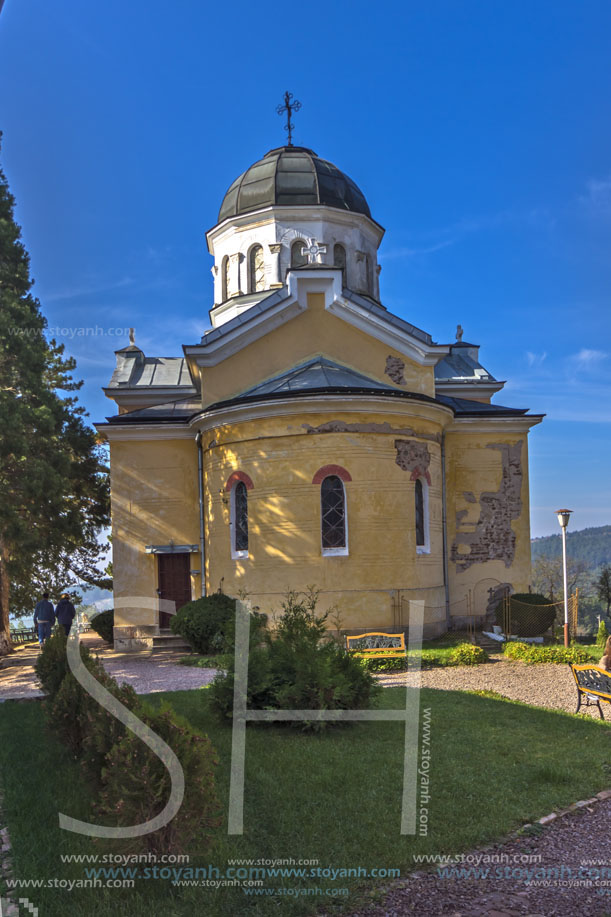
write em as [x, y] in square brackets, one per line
[535, 359]
[589, 359]
[598, 197]
[87, 289]
[414, 252]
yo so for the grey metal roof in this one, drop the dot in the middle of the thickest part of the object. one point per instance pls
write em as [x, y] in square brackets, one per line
[179, 411]
[315, 374]
[134, 370]
[460, 365]
[463, 407]
[292, 176]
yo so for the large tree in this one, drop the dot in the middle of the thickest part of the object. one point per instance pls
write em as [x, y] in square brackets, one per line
[54, 500]
[603, 587]
[547, 576]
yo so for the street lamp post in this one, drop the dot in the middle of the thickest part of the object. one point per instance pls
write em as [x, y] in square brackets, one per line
[563, 519]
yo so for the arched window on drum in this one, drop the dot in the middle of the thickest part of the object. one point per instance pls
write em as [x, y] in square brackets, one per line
[298, 259]
[256, 269]
[225, 278]
[339, 260]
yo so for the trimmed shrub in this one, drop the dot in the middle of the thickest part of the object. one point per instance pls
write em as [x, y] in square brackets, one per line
[551, 653]
[602, 635]
[207, 623]
[299, 668]
[52, 665]
[531, 614]
[77, 718]
[468, 654]
[100, 730]
[136, 786]
[103, 624]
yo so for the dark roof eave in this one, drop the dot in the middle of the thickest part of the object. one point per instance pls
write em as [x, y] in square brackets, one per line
[482, 411]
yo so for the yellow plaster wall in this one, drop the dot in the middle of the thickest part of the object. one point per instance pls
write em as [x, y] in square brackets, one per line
[284, 518]
[308, 335]
[474, 469]
[154, 498]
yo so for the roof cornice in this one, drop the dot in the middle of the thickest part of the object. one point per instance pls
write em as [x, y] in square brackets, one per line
[304, 213]
[506, 424]
[143, 431]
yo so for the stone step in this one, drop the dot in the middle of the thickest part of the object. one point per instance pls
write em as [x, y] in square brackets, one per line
[169, 641]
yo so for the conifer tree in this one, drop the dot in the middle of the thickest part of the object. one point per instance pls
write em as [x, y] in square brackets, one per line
[54, 497]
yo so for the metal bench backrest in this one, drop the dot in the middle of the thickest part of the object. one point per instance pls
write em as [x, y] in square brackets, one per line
[375, 641]
[592, 679]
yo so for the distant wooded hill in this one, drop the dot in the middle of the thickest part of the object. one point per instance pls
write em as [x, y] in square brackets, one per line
[590, 545]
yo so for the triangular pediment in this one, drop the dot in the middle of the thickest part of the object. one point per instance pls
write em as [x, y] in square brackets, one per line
[294, 299]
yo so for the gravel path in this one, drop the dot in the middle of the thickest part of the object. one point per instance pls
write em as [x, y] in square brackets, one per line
[577, 841]
[543, 685]
[146, 673]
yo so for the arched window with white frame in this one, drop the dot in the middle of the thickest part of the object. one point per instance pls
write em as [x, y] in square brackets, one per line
[333, 516]
[421, 519]
[256, 269]
[225, 278]
[239, 520]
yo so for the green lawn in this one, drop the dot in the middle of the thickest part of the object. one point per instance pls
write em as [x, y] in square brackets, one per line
[334, 797]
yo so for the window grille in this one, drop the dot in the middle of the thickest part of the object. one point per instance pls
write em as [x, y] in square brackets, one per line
[240, 517]
[333, 512]
[420, 524]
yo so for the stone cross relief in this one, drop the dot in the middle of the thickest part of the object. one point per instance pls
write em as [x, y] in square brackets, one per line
[313, 251]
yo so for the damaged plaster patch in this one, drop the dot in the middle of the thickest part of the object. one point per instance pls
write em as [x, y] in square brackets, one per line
[413, 457]
[340, 426]
[395, 369]
[493, 537]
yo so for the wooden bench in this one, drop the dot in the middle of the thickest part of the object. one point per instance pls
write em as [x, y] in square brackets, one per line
[593, 684]
[377, 645]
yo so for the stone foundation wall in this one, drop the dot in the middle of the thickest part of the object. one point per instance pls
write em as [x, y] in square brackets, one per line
[134, 638]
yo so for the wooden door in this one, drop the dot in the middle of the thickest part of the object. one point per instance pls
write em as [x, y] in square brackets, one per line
[174, 582]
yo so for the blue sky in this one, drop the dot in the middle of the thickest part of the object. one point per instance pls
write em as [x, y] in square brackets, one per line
[479, 131]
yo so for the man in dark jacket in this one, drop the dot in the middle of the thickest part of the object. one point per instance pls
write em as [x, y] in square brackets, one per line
[44, 618]
[65, 612]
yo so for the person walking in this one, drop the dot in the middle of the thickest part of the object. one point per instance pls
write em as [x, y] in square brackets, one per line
[44, 618]
[65, 612]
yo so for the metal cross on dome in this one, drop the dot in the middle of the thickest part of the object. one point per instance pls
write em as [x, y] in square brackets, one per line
[289, 107]
[313, 252]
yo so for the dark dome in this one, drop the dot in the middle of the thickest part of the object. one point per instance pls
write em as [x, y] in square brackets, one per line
[292, 175]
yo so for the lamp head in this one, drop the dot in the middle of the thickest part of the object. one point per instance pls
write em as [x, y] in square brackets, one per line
[563, 517]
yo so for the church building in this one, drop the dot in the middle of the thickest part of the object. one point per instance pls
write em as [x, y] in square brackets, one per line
[311, 437]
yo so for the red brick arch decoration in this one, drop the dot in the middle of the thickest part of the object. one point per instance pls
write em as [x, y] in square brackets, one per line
[326, 470]
[236, 476]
